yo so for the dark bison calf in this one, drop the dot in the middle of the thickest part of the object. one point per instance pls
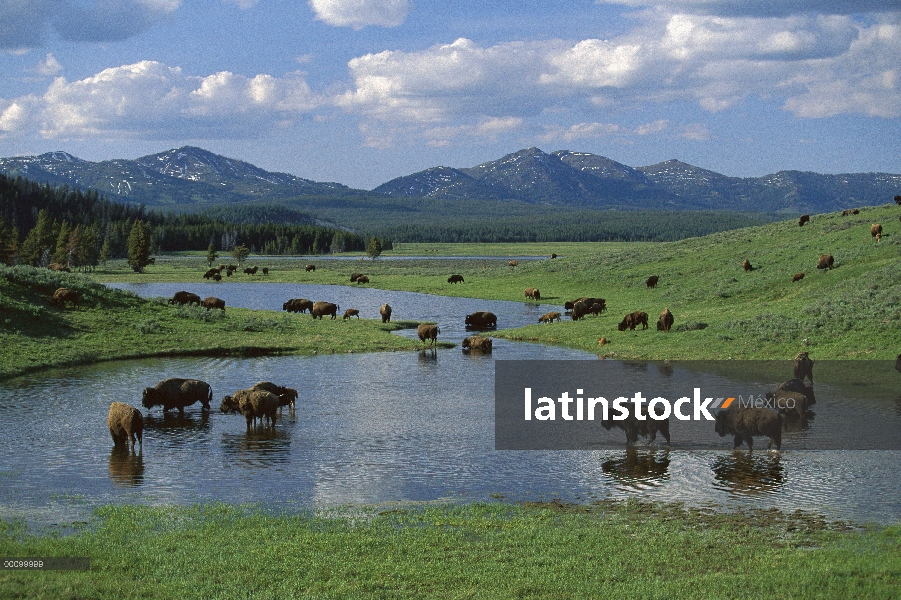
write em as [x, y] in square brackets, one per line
[746, 265]
[455, 279]
[826, 261]
[125, 424]
[652, 281]
[803, 367]
[177, 393]
[632, 320]
[746, 423]
[211, 302]
[63, 295]
[182, 298]
[298, 305]
[803, 219]
[309, 268]
[665, 321]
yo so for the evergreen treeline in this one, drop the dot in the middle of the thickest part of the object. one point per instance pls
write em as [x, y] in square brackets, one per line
[43, 224]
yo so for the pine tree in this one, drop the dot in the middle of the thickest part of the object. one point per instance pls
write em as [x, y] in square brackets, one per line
[240, 253]
[9, 241]
[139, 247]
[73, 248]
[374, 248]
[105, 251]
[211, 255]
[87, 249]
[61, 253]
[38, 242]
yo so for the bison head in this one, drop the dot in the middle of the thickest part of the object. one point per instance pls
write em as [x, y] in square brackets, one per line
[148, 397]
[722, 423]
[229, 405]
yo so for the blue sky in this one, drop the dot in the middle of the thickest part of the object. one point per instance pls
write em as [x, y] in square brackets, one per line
[362, 91]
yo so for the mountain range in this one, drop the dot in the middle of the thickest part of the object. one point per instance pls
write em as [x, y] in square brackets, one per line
[193, 176]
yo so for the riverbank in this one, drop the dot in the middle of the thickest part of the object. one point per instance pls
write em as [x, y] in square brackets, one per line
[721, 310]
[533, 550]
[110, 324]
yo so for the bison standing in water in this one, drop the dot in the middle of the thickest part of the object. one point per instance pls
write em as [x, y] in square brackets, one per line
[286, 396]
[745, 423]
[477, 343]
[803, 367]
[253, 404]
[125, 424]
[549, 317]
[481, 320]
[428, 333]
[634, 427]
[177, 393]
[385, 311]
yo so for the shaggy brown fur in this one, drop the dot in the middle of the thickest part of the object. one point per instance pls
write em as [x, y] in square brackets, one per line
[803, 219]
[597, 308]
[286, 396]
[797, 277]
[826, 261]
[477, 343]
[665, 321]
[351, 312]
[746, 265]
[635, 427]
[745, 423]
[875, 229]
[324, 308]
[125, 424]
[803, 367]
[309, 268]
[532, 293]
[580, 309]
[632, 320]
[298, 305]
[455, 279]
[796, 385]
[253, 404]
[355, 276]
[184, 297]
[250, 271]
[177, 393]
[385, 311]
[549, 317]
[428, 333]
[481, 320]
[513, 263]
[63, 295]
[652, 281]
[362, 279]
[211, 302]
[791, 404]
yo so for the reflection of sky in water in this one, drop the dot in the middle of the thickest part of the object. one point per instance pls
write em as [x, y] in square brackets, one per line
[373, 428]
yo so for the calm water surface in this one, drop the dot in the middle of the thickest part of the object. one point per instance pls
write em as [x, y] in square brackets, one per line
[371, 428]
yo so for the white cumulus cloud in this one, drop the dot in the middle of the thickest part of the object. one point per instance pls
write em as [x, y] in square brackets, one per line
[361, 13]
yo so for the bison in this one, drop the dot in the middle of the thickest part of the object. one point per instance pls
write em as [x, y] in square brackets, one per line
[351, 312]
[428, 333]
[746, 265]
[791, 404]
[63, 295]
[211, 302]
[847, 212]
[597, 308]
[481, 320]
[253, 404]
[298, 305]
[633, 319]
[286, 396]
[362, 279]
[549, 317]
[633, 427]
[580, 309]
[177, 393]
[477, 343]
[746, 423]
[59, 267]
[513, 263]
[532, 293]
[553, 255]
[665, 321]
[251, 271]
[217, 277]
[803, 367]
[355, 276]
[826, 261]
[309, 268]
[898, 363]
[875, 229]
[265, 270]
[125, 424]
[183, 297]
[455, 279]
[796, 385]
[797, 277]
[589, 302]
[652, 281]
[324, 308]
[385, 311]
[212, 273]
[804, 219]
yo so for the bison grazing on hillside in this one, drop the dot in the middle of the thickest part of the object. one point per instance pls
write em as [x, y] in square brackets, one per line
[211, 302]
[351, 312]
[746, 265]
[580, 309]
[855, 211]
[362, 279]
[286, 396]
[797, 277]
[355, 276]
[253, 404]
[455, 279]
[428, 333]
[665, 321]
[477, 343]
[745, 423]
[177, 393]
[803, 367]
[825, 262]
[875, 229]
[183, 297]
[633, 427]
[532, 293]
[298, 305]
[549, 317]
[309, 268]
[324, 308]
[652, 281]
[632, 320]
[803, 219]
[597, 308]
[385, 311]
[125, 424]
[63, 295]
[481, 320]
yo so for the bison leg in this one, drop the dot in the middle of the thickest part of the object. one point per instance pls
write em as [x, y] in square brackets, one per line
[737, 441]
[181, 411]
[117, 440]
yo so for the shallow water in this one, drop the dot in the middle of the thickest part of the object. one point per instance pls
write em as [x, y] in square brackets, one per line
[373, 428]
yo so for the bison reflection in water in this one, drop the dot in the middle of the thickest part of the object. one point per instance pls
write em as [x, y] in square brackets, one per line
[174, 424]
[745, 474]
[259, 447]
[638, 468]
[126, 467]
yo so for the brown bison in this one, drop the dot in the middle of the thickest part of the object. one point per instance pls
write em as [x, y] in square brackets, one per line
[652, 281]
[589, 302]
[803, 367]
[632, 320]
[633, 427]
[251, 271]
[477, 343]
[125, 424]
[351, 312]
[217, 277]
[481, 320]
[286, 396]
[804, 219]
[428, 333]
[665, 321]
[855, 211]
[875, 229]
[298, 305]
[177, 393]
[597, 308]
[63, 295]
[580, 309]
[355, 276]
[309, 268]
[797, 277]
[745, 423]
[513, 263]
[796, 385]
[532, 293]
[59, 267]
[746, 265]
[253, 404]
[265, 270]
[846, 212]
[211, 302]
[362, 279]
[324, 308]
[183, 297]
[211, 273]
[826, 261]
[455, 279]
[549, 317]
[553, 255]
[791, 404]
[385, 311]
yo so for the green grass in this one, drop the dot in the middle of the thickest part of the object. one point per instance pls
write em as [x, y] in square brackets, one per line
[488, 550]
[112, 324]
